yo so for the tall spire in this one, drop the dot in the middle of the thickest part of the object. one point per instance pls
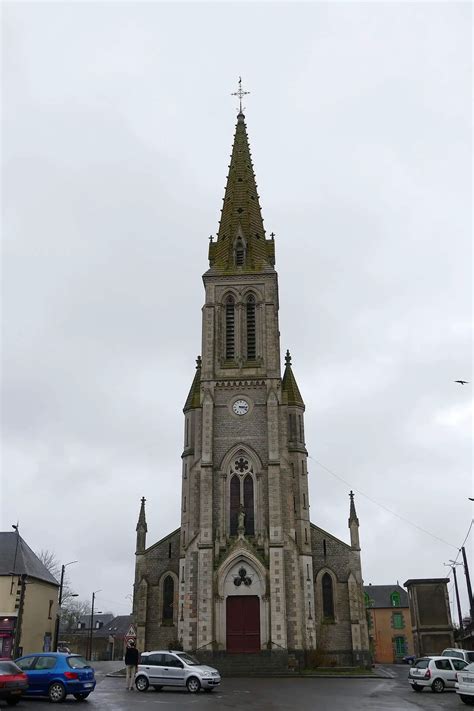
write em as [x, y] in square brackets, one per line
[241, 219]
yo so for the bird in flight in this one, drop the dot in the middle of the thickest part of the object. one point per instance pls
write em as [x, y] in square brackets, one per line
[461, 382]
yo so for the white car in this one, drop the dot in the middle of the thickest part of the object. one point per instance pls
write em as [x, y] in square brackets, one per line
[168, 668]
[436, 673]
[466, 654]
[465, 684]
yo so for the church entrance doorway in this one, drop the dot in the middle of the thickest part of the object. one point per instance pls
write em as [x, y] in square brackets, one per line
[243, 623]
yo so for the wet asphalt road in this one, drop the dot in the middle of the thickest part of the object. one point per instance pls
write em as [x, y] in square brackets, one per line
[391, 694]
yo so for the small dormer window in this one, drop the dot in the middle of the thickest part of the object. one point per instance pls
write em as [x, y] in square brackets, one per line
[239, 253]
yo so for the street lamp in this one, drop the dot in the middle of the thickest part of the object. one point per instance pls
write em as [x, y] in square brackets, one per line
[92, 623]
[58, 614]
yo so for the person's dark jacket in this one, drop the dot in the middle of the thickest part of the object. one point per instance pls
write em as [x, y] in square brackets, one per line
[131, 656]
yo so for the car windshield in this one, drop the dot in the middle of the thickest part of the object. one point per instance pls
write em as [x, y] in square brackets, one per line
[421, 663]
[77, 662]
[188, 659]
[9, 668]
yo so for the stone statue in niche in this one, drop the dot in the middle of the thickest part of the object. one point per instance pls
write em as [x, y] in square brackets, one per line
[241, 521]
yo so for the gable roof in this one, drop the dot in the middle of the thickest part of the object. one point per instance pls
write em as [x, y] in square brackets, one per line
[17, 557]
[380, 595]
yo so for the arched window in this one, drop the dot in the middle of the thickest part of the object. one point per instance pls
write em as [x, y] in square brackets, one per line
[230, 329]
[239, 253]
[328, 597]
[395, 599]
[168, 599]
[234, 504]
[251, 329]
[248, 506]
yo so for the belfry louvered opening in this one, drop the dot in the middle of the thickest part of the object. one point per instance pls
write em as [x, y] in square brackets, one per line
[230, 329]
[251, 329]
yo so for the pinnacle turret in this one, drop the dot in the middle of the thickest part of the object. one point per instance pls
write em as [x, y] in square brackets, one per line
[141, 528]
[194, 396]
[289, 385]
[353, 523]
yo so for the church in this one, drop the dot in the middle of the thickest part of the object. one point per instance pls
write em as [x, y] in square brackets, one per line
[247, 571]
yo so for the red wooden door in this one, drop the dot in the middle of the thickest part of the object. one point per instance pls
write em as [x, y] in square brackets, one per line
[243, 623]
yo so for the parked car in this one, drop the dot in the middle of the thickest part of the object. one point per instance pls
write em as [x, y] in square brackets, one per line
[56, 675]
[13, 682]
[466, 654]
[465, 684]
[168, 668]
[436, 673]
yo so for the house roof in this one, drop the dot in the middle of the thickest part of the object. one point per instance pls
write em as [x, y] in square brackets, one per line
[17, 557]
[380, 595]
[119, 625]
[289, 386]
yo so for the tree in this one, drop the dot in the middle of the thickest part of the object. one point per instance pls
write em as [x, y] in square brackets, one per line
[50, 561]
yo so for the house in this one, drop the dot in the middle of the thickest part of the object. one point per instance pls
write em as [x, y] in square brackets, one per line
[430, 614]
[28, 599]
[389, 622]
[108, 637]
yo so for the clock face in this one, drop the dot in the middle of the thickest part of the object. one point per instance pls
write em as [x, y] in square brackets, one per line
[240, 407]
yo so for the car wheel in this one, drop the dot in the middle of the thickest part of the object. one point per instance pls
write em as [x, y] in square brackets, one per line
[468, 700]
[57, 692]
[415, 687]
[81, 697]
[12, 702]
[193, 684]
[157, 688]
[142, 683]
[437, 686]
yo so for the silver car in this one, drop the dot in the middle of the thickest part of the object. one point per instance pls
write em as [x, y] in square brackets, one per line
[436, 673]
[168, 668]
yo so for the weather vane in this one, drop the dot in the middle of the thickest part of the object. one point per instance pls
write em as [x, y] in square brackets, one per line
[240, 93]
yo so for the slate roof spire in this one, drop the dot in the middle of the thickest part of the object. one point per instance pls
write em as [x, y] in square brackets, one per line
[241, 218]
[289, 385]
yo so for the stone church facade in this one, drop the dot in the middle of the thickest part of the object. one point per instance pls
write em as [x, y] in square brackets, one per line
[246, 570]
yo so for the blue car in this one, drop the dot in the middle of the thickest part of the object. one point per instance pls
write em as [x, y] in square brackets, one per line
[56, 675]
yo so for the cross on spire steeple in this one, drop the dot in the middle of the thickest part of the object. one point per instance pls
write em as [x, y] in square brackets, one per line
[240, 93]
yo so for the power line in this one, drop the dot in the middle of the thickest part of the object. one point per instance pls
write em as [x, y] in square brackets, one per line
[382, 506]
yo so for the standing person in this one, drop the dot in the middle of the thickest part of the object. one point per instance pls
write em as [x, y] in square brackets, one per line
[131, 664]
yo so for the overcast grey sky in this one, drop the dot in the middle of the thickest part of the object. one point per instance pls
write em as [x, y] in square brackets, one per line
[117, 129]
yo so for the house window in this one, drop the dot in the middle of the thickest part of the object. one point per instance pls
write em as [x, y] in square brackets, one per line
[186, 432]
[395, 599]
[292, 423]
[169, 544]
[184, 506]
[185, 470]
[328, 597]
[324, 548]
[234, 504]
[400, 646]
[168, 595]
[251, 329]
[51, 603]
[304, 501]
[230, 329]
[397, 621]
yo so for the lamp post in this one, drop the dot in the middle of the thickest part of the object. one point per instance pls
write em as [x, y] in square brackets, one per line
[452, 564]
[92, 623]
[58, 614]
